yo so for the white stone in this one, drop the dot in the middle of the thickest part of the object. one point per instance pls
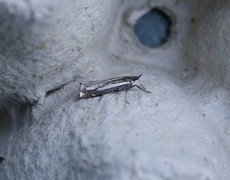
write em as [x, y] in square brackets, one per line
[176, 132]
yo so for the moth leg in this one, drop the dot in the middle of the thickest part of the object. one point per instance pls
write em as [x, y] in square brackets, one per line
[125, 88]
[141, 88]
[101, 96]
[126, 101]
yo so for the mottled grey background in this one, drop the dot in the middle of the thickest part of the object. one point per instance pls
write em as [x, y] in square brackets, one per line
[179, 131]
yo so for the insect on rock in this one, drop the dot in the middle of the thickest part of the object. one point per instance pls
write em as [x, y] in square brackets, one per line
[99, 88]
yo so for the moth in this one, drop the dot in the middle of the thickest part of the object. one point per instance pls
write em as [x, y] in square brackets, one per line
[99, 88]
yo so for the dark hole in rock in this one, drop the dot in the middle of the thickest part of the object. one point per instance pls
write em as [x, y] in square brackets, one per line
[153, 28]
[15, 113]
[1, 159]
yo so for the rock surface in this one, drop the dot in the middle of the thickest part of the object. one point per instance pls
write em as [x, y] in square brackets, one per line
[179, 131]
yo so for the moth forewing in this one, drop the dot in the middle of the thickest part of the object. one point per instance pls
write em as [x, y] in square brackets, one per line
[99, 88]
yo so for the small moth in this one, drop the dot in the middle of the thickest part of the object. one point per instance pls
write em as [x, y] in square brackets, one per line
[99, 88]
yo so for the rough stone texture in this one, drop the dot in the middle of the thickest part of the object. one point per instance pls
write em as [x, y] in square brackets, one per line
[179, 131]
